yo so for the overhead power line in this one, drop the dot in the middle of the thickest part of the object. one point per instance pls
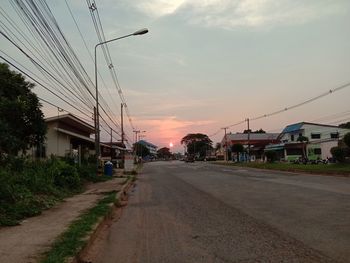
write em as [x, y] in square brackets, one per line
[101, 37]
[50, 52]
[331, 91]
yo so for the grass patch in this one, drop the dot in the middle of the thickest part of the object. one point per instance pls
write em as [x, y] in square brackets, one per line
[71, 241]
[29, 187]
[132, 172]
[336, 168]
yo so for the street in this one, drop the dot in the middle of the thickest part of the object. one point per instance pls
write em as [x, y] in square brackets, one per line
[201, 212]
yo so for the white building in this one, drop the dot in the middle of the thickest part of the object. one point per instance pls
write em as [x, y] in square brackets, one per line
[68, 135]
[321, 138]
[151, 147]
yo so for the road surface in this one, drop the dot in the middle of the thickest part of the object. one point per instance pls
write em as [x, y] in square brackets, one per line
[200, 212]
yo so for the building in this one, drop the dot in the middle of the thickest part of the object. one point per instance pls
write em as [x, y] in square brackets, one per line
[114, 152]
[68, 135]
[151, 147]
[255, 142]
[309, 140]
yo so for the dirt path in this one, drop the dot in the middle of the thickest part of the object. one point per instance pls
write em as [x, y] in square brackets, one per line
[26, 242]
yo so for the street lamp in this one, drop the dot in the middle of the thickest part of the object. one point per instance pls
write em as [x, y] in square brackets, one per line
[97, 117]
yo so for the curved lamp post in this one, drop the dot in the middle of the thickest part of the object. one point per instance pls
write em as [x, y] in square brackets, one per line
[97, 122]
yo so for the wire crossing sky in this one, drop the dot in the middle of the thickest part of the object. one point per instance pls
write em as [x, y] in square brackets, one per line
[204, 65]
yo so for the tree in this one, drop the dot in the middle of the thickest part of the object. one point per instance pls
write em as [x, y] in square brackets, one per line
[338, 153]
[22, 122]
[345, 125]
[164, 152]
[141, 150]
[237, 148]
[346, 139]
[257, 131]
[197, 143]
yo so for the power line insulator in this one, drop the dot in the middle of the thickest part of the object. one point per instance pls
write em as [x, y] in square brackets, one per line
[93, 7]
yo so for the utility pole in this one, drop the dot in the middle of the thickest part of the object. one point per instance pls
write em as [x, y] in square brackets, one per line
[111, 149]
[97, 146]
[122, 126]
[248, 139]
[226, 150]
[135, 145]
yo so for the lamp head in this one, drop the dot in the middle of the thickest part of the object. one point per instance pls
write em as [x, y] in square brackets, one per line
[141, 32]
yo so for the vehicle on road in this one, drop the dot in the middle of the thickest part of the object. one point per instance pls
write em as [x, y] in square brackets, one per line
[189, 159]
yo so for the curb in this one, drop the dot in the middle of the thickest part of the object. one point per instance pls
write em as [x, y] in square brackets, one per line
[91, 236]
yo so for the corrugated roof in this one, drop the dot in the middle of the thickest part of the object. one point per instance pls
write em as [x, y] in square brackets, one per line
[72, 120]
[297, 126]
[147, 143]
[293, 127]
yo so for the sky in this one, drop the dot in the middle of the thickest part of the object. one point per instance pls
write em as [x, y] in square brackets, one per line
[208, 64]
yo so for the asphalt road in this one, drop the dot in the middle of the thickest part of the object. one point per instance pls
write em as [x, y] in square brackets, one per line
[200, 212]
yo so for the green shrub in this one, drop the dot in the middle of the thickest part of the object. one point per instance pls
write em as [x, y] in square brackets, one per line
[271, 156]
[33, 187]
[87, 172]
[65, 175]
[338, 153]
[347, 139]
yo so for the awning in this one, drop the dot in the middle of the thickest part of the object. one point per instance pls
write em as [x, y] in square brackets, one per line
[76, 135]
[274, 147]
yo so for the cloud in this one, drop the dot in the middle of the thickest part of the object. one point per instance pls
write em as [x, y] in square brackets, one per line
[164, 130]
[159, 7]
[231, 14]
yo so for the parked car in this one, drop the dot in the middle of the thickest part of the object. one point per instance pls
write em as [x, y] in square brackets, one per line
[189, 159]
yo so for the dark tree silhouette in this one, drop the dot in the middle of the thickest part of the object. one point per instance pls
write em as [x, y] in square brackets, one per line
[22, 122]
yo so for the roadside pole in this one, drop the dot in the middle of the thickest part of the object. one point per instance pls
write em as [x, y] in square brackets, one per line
[226, 150]
[248, 140]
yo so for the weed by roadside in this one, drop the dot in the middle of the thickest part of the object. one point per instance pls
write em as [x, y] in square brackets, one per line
[27, 188]
[71, 241]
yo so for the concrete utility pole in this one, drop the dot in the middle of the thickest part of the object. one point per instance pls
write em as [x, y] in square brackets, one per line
[122, 128]
[226, 150]
[248, 139]
[111, 149]
[135, 145]
[97, 143]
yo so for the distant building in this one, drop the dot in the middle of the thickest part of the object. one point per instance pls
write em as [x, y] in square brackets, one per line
[256, 141]
[151, 147]
[320, 139]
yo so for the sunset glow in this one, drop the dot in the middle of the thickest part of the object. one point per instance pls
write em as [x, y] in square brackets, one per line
[171, 144]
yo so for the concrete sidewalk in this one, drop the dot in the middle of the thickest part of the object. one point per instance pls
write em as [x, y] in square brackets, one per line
[25, 243]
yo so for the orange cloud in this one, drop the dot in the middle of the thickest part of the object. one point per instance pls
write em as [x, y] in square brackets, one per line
[168, 129]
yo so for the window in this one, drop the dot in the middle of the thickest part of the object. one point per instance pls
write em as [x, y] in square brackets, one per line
[294, 151]
[317, 151]
[292, 137]
[315, 135]
[334, 135]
